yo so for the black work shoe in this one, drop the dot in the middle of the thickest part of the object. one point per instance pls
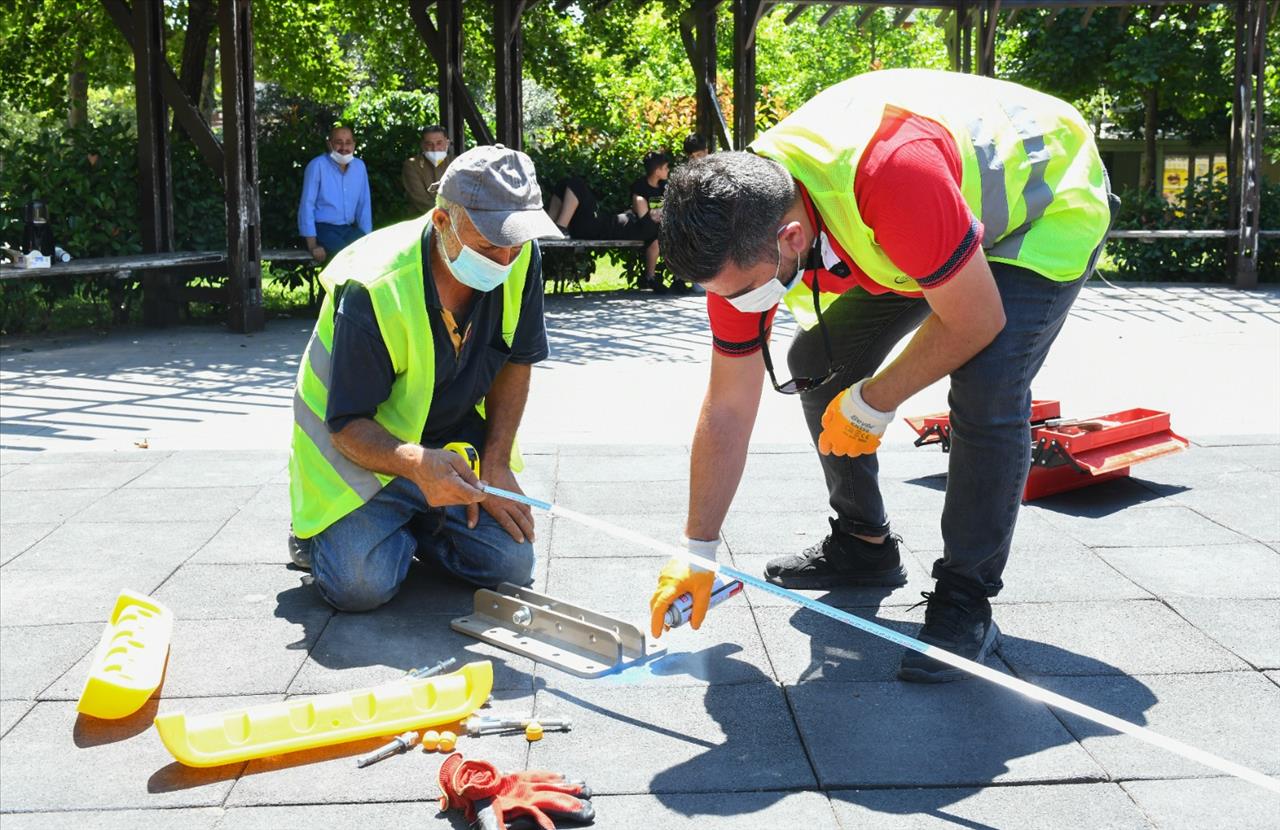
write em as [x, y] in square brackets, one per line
[957, 622]
[300, 552]
[840, 559]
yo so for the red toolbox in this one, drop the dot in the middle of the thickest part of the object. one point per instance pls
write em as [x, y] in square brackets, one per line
[1068, 454]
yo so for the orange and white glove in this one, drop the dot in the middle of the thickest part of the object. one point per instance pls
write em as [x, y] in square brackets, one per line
[679, 577]
[850, 426]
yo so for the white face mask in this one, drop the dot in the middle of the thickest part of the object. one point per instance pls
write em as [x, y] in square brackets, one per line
[435, 156]
[764, 297]
[341, 158]
[475, 270]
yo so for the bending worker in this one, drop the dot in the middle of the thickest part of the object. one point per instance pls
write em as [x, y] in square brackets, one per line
[426, 336]
[965, 209]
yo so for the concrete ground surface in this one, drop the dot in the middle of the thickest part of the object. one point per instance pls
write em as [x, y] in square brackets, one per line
[1156, 598]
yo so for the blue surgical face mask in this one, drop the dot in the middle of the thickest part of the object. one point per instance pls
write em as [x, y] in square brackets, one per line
[475, 270]
[764, 297]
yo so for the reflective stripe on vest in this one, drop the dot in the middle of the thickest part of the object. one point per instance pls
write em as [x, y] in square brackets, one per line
[324, 485]
[1031, 172]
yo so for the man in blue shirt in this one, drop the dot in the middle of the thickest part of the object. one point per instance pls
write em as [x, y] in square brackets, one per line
[334, 210]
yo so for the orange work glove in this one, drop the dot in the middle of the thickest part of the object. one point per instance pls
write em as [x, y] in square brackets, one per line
[679, 577]
[851, 427]
[490, 798]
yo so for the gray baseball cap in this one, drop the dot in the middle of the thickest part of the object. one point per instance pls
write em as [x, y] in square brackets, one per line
[498, 188]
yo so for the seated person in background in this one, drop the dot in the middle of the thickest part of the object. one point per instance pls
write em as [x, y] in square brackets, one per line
[334, 209]
[695, 147]
[426, 168]
[647, 193]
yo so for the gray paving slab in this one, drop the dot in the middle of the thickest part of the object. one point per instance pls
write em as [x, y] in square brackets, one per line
[47, 597]
[1247, 502]
[1068, 572]
[572, 539]
[727, 649]
[1028, 807]
[77, 475]
[17, 538]
[65, 761]
[244, 540]
[1247, 571]
[1088, 638]
[921, 531]
[623, 497]
[1248, 627]
[329, 775]
[36, 656]
[358, 650]
[918, 580]
[763, 494]
[1155, 527]
[714, 811]
[270, 501]
[670, 466]
[900, 734]
[213, 658]
[212, 592]
[213, 468]
[116, 546]
[214, 504]
[193, 818]
[12, 711]
[46, 506]
[619, 586]
[1220, 713]
[773, 534]
[404, 815]
[800, 465]
[924, 492]
[804, 646]
[1205, 802]
[684, 740]
[1273, 676]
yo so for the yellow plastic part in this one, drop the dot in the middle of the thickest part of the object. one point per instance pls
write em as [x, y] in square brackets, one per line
[533, 732]
[430, 739]
[129, 662]
[305, 723]
[468, 454]
[448, 741]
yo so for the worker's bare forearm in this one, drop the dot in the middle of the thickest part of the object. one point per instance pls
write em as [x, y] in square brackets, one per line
[715, 469]
[367, 443]
[504, 408]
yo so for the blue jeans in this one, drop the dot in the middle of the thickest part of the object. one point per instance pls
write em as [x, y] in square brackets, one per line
[334, 238]
[360, 560]
[990, 403]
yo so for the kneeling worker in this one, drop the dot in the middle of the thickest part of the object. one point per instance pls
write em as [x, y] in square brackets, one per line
[427, 335]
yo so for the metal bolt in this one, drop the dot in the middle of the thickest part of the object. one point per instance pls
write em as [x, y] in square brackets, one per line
[522, 616]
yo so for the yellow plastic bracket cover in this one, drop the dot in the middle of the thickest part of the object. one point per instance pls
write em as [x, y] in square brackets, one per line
[305, 723]
[128, 664]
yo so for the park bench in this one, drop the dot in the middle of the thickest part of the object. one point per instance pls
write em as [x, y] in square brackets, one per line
[578, 246]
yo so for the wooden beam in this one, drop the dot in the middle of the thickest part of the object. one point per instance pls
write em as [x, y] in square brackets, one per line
[1087, 16]
[509, 71]
[746, 13]
[865, 15]
[828, 15]
[456, 104]
[240, 138]
[902, 14]
[796, 11]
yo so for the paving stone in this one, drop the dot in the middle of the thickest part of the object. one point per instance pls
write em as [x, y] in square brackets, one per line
[665, 467]
[120, 547]
[798, 466]
[15, 539]
[1155, 527]
[1274, 677]
[1205, 802]
[358, 650]
[1067, 572]
[1087, 638]
[1239, 571]
[244, 540]
[804, 646]
[198, 818]
[214, 504]
[1028, 807]
[128, 456]
[619, 586]
[209, 658]
[774, 534]
[683, 740]
[77, 475]
[595, 497]
[763, 494]
[67, 761]
[569, 538]
[1219, 713]
[405, 815]
[1245, 502]
[46, 506]
[918, 580]
[222, 468]
[329, 775]
[1248, 627]
[714, 811]
[213, 592]
[31, 597]
[956, 734]
[12, 711]
[927, 492]
[1107, 498]
[270, 501]
[36, 656]
[921, 531]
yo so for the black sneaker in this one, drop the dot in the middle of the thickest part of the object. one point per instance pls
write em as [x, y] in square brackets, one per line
[300, 552]
[840, 559]
[956, 621]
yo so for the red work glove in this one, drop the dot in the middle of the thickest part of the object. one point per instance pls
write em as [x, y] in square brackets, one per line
[490, 799]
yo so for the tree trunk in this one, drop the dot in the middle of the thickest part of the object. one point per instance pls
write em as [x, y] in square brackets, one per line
[202, 16]
[77, 93]
[1149, 177]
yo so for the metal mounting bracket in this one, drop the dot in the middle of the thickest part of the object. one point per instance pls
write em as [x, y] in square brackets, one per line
[569, 637]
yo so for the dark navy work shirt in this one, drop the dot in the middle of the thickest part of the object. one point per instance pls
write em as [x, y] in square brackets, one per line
[363, 375]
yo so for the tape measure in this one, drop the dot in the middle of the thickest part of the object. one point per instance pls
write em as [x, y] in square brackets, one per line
[468, 454]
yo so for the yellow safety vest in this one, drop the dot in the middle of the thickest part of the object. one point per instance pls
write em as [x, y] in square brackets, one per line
[325, 485]
[1031, 171]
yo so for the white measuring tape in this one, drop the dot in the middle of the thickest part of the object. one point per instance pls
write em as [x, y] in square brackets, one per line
[1021, 686]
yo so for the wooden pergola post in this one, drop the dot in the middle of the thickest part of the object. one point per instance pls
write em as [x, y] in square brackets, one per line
[1245, 168]
[240, 166]
[698, 32]
[457, 108]
[746, 14]
[509, 71]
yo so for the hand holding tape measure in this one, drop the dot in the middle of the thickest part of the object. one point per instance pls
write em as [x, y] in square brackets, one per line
[516, 519]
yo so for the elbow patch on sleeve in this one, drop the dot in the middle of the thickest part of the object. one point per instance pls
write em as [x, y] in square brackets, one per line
[958, 259]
